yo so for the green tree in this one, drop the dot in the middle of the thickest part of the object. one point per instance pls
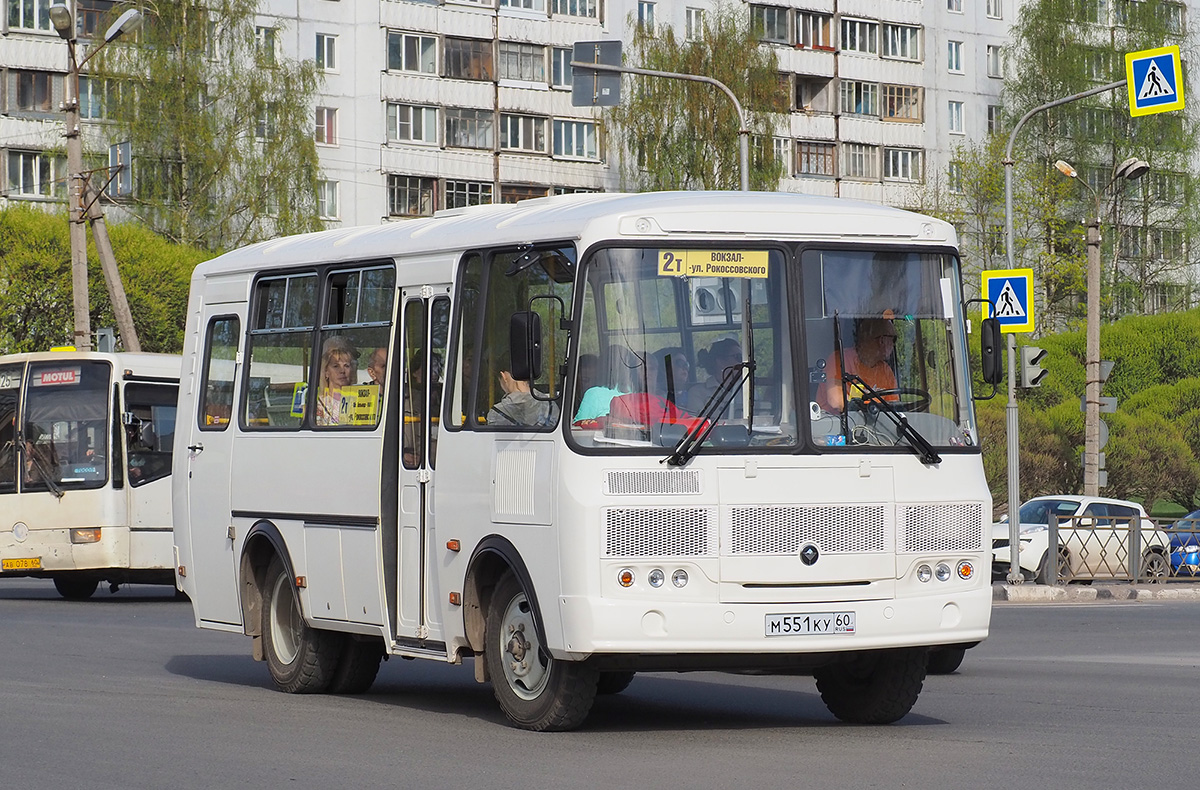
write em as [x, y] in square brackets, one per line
[674, 134]
[221, 125]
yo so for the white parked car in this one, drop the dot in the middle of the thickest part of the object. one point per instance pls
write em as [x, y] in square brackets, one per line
[1093, 538]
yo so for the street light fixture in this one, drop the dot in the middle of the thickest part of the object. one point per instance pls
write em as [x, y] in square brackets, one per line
[1131, 169]
[84, 207]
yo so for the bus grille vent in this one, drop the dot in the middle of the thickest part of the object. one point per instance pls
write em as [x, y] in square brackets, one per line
[654, 481]
[785, 529]
[938, 528]
[657, 531]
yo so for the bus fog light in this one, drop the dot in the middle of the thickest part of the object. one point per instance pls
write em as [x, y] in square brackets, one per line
[656, 578]
[966, 569]
[943, 572]
[924, 573]
[85, 535]
[625, 577]
[679, 578]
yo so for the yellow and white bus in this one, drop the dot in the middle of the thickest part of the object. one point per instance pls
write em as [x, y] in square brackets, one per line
[85, 466]
[586, 436]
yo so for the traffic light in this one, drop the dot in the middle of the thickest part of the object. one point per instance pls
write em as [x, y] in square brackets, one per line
[1031, 366]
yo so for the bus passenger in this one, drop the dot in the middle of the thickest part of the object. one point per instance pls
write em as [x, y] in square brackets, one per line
[519, 407]
[722, 354]
[870, 360]
[377, 367]
[337, 371]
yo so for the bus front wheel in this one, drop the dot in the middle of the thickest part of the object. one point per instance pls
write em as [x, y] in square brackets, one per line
[535, 691]
[75, 588]
[875, 688]
[301, 659]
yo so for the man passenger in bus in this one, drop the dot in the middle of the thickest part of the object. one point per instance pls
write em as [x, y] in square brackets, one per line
[338, 365]
[519, 407]
[870, 360]
[377, 367]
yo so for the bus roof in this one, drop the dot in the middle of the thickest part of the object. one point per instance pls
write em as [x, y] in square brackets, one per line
[141, 364]
[646, 216]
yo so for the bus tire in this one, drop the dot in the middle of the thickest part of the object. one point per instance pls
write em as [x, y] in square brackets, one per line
[74, 587]
[614, 682]
[536, 692]
[301, 659]
[876, 688]
[357, 666]
[944, 660]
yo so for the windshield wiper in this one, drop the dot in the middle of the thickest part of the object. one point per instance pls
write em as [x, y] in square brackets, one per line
[919, 443]
[44, 473]
[732, 380]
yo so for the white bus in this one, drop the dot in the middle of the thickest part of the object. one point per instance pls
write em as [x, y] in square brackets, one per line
[85, 465]
[604, 444]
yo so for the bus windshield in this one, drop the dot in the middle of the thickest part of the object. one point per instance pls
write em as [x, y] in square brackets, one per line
[704, 344]
[66, 425]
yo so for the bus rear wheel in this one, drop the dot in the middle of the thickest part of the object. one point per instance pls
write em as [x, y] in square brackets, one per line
[75, 588]
[875, 688]
[301, 659]
[535, 691]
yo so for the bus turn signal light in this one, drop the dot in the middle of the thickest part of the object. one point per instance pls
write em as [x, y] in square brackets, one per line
[453, 544]
[966, 569]
[455, 599]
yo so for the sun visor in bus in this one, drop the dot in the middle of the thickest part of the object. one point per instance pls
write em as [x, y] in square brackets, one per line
[65, 406]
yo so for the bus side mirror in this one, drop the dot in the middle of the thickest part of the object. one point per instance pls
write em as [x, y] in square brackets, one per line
[525, 345]
[991, 350]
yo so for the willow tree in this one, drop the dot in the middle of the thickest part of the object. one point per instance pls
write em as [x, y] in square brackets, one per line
[220, 123]
[675, 134]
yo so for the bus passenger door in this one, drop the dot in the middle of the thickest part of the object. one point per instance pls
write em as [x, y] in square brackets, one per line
[211, 582]
[424, 328]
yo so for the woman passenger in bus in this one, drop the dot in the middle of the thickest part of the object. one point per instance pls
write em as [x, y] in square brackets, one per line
[338, 365]
[519, 407]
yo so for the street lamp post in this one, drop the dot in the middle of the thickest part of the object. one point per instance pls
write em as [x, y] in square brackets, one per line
[84, 206]
[1131, 169]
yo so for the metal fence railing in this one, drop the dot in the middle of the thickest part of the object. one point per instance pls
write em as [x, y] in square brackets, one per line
[1092, 548]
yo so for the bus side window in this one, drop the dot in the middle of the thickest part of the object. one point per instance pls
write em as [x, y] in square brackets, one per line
[216, 406]
[149, 421]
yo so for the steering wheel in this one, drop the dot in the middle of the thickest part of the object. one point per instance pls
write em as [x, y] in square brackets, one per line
[899, 398]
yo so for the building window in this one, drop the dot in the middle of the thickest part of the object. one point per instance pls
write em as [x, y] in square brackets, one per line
[93, 95]
[29, 14]
[467, 128]
[954, 117]
[771, 22]
[860, 161]
[525, 62]
[901, 164]
[859, 35]
[527, 5]
[327, 199]
[812, 93]
[35, 91]
[902, 102]
[814, 159]
[954, 178]
[410, 196]
[326, 126]
[995, 61]
[954, 6]
[326, 52]
[693, 24]
[781, 148]
[266, 45]
[1171, 14]
[575, 139]
[35, 174]
[407, 123]
[994, 118]
[412, 52]
[460, 194]
[264, 126]
[560, 73]
[646, 17]
[995, 9]
[860, 98]
[814, 30]
[523, 133]
[954, 57]
[584, 8]
[902, 42]
[514, 193]
[468, 59]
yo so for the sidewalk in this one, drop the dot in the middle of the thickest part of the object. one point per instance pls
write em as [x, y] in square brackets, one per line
[1041, 593]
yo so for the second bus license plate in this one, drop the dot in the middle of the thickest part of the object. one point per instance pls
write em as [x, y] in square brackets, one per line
[813, 623]
[22, 564]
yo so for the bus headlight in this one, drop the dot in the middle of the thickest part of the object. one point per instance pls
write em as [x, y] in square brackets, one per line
[679, 578]
[942, 572]
[625, 577]
[656, 578]
[85, 535]
[924, 573]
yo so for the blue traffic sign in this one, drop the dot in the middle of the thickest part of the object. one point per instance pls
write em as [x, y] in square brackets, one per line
[1153, 78]
[1009, 295]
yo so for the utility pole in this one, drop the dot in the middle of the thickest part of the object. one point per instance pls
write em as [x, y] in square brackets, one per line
[84, 203]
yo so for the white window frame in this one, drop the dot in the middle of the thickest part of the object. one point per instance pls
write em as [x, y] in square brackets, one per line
[860, 35]
[420, 120]
[995, 118]
[266, 44]
[995, 61]
[575, 139]
[525, 133]
[561, 74]
[469, 127]
[327, 199]
[588, 9]
[954, 57]
[693, 24]
[529, 60]
[860, 161]
[426, 54]
[38, 18]
[93, 95]
[901, 42]
[903, 164]
[995, 9]
[325, 122]
[954, 6]
[40, 184]
[775, 29]
[954, 178]
[954, 117]
[524, 5]
[814, 30]
[645, 17]
[327, 53]
[857, 97]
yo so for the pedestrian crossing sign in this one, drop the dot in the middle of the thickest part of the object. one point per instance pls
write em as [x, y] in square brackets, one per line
[1154, 80]
[1010, 293]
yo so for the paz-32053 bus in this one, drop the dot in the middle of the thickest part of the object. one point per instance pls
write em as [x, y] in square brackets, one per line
[586, 436]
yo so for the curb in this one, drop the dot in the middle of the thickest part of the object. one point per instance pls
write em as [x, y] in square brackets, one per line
[1086, 593]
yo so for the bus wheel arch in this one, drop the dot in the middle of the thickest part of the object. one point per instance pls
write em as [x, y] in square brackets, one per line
[492, 558]
[263, 542]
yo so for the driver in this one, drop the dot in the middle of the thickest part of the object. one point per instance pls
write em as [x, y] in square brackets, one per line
[874, 345]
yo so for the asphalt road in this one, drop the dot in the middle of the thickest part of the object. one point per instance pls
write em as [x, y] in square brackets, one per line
[123, 692]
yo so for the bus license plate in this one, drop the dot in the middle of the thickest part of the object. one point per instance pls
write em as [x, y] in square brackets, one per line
[814, 623]
[22, 564]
